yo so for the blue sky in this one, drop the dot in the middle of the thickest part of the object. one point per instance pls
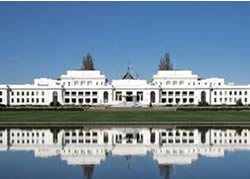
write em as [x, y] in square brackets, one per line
[44, 39]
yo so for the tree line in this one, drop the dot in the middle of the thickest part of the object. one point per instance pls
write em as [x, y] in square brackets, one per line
[165, 63]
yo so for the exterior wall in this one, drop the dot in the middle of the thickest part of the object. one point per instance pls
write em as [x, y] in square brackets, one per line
[88, 88]
[3, 95]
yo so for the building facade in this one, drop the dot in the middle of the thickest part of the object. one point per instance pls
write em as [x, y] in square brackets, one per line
[79, 87]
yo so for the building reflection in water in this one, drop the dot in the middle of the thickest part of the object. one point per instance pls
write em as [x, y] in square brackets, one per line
[89, 147]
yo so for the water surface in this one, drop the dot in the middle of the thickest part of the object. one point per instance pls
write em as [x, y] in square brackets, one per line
[125, 153]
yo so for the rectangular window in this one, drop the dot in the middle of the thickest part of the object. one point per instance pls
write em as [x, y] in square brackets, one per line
[94, 100]
[27, 93]
[80, 100]
[32, 93]
[22, 93]
[1, 93]
[87, 100]
[1, 100]
[118, 96]
[191, 93]
[80, 93]
[66, 93]
[37, 100]
[94, 93]
[43, 100]
[66, 100]
[42, 93]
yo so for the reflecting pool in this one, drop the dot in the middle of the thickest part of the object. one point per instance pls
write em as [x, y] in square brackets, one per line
[125, 153]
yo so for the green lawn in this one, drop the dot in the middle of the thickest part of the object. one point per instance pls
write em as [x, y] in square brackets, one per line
[124, 116]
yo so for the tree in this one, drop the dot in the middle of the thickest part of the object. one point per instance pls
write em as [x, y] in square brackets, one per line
[87, 63]
[165, 63]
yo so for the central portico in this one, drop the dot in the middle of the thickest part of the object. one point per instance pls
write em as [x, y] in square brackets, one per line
[130, 91]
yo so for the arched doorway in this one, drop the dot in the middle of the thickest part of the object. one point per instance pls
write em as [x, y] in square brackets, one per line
[152, 97]
[55, 98]
[105, 97]
[203, 97]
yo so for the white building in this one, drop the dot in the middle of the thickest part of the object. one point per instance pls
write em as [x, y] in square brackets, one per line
[176, 87]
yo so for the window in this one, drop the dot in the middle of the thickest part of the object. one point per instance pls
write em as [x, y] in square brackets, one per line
[170, 93]
[43, 100]
[1, 100]
[177, 93]
[42, 93]
[67, 93]
[87, 100]
[66, 100]
[32, 93]
[87, 93]
[80, 93]
[73, 100]
[1, 93]
[245, 92]
[191, 93]
[73, 93]
[168, 82]
[28, 93]
[76, 83]
[118, 96]
[18, 93]
[94, 93]
[215, 93]
[22, 93]
[80, 100]
[37, 100]
[95, 100]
